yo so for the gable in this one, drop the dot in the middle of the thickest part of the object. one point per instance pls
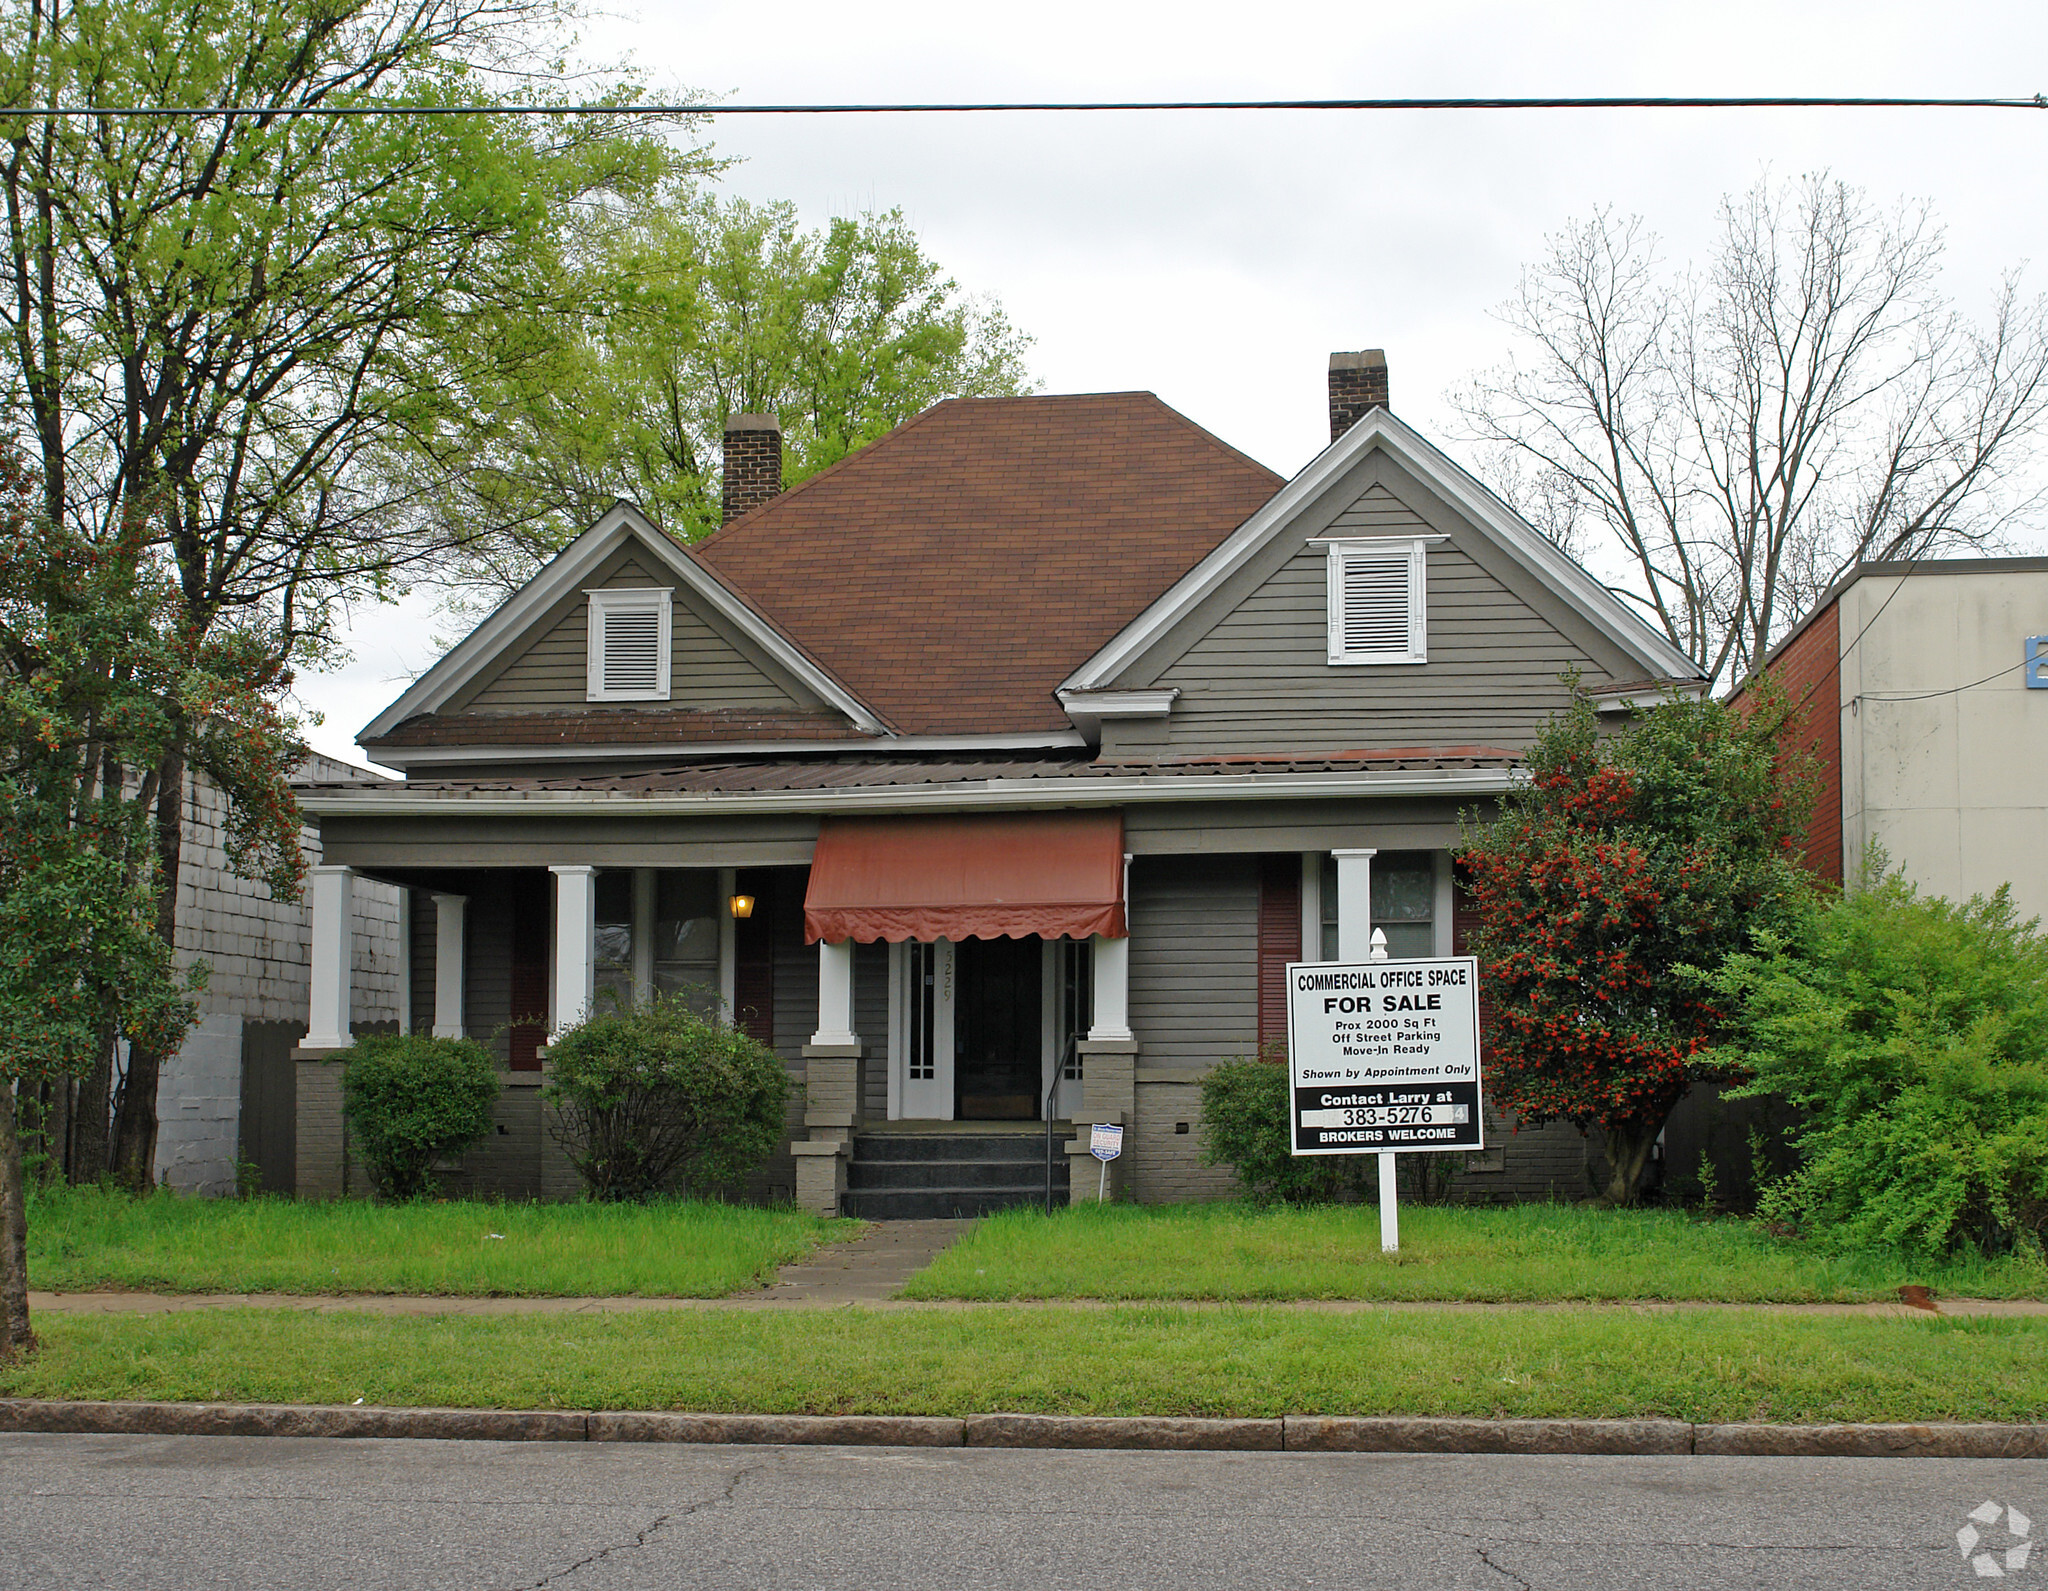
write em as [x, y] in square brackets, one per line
[1244, 644]
[521, 676]
[547, 668]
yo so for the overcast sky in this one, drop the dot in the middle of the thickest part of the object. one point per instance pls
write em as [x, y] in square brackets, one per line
[1218, 258]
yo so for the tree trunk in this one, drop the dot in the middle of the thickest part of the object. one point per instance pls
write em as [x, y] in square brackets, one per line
[1628, 1156]
[135, 1123]
[85, 1154]
[16, 1338]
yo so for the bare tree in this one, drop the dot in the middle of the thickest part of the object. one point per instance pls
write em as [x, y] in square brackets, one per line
[1743, 434]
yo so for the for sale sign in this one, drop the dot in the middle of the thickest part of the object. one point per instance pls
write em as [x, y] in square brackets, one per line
[1385, 1056]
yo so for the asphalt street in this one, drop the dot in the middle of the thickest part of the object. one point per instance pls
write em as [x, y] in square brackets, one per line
[292, 1515]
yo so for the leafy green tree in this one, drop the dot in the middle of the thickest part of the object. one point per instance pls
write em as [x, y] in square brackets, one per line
[1912, 1035]
[691, 308]
[240, 349]
[1620, 867]
[94, 677]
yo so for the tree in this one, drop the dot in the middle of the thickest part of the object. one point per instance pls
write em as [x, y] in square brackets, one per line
[689, 308]
[1740, 436]
[233, 344]
[96, 680]
[1622, 866]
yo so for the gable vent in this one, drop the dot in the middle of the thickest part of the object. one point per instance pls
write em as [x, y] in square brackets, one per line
[1376, 602]
[629, 645]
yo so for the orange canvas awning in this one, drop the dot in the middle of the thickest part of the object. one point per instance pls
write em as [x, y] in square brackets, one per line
[968, 876]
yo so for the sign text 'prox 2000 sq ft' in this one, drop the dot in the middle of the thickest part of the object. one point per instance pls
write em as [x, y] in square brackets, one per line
[1385, 1056]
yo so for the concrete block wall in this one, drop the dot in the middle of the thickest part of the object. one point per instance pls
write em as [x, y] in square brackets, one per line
[1166, 1162]
[199, 1097]
[256, 946]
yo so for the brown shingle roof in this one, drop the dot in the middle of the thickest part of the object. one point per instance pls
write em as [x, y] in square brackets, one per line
[954, 572]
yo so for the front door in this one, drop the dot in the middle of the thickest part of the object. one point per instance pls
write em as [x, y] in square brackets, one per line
[998, 1060]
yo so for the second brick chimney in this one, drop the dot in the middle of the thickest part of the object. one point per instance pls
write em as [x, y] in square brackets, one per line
[753, 463]
[1358, 383]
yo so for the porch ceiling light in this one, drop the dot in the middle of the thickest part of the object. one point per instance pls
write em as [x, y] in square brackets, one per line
[743, 905]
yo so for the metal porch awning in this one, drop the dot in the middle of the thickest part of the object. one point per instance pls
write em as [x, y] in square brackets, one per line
[968, 876]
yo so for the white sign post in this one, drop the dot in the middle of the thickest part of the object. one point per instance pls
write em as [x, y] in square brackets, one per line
[1385, 1058]
[1105, 1143]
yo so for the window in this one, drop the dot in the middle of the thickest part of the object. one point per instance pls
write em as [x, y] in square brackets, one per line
[1376, 601]
[1403, 903]
[629, 641]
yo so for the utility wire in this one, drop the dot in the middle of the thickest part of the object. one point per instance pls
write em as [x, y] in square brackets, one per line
[2033, 102]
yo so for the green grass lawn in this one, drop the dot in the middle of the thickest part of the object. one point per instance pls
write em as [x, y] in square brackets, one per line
[83, 1239]
[1521, 1253]
[1703, 1365]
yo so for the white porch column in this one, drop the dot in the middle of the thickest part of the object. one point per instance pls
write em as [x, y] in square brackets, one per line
[1354, 904]
[333, 957]
[835, 994]
[575, 943]
[1112, 989]
[451, 914]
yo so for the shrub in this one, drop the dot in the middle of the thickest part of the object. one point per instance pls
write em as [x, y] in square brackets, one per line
[1245, 1126]
[659, 1098]
[1913, 1035]
[410, 1100]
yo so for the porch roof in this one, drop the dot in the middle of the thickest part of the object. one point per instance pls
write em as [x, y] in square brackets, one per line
[846, 783]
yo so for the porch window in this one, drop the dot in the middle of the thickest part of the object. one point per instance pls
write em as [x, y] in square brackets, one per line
[612, 947]
[657, 930]
[686, 935]
[1403, 903]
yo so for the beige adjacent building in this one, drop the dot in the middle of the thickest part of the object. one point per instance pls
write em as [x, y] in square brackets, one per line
[1929, 714]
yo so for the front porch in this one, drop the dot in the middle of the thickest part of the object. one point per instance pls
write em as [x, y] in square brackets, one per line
[975, 1032]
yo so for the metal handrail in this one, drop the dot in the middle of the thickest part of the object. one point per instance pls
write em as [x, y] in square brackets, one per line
[1059, 1070]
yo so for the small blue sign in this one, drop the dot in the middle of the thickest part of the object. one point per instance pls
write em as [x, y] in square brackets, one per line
[2037, 662]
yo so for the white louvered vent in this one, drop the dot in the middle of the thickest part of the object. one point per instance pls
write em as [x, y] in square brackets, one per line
[1376, 602]
[629, 645]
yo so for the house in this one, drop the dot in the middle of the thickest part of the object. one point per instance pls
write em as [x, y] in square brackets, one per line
[1915, 689]
[225, 1099]
[992, 776]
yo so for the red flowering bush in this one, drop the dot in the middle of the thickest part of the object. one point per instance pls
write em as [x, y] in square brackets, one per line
[1626, 866]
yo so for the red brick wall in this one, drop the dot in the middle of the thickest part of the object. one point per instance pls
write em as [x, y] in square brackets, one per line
[1808, 669]
[1279, 941]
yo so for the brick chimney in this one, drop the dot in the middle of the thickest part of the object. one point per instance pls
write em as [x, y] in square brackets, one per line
[1358, 382]
[753, 462]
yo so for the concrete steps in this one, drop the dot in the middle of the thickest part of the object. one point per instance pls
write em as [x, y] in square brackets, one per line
[899, 1176]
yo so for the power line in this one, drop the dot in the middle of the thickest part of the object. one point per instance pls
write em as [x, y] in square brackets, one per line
[2033, 102]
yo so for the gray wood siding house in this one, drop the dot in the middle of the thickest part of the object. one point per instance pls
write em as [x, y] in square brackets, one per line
[991, 775]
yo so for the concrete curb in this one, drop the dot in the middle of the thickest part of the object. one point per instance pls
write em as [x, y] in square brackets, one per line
[1296, 1433]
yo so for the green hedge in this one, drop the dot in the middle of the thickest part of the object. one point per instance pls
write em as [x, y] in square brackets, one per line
[411, 1100]
[1245, 1125]
[659, 1099]
[1912, 1033]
